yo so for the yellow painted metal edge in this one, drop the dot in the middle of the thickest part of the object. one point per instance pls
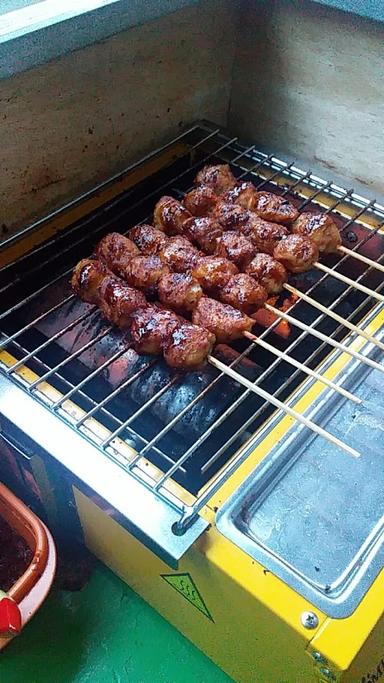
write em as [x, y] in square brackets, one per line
[258, 582]
[341, 639]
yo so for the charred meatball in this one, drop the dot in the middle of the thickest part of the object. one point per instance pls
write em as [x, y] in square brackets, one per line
[144, 272]
[188, 346]
[231, 217]
[235, 247]
[169, 216]
[200, 201]
[268, 272]
[224, 321]
[264, 235]
[149, 240]
[151, 329]
[320, 228]
[219, 178]
[87, 278]
[118, 301]
[244, 293]
[243, 195]
[272, 207]
[296, 253]
[204, 232]
[116, 251]
[179, 291]
[179, 254]
[213, 272]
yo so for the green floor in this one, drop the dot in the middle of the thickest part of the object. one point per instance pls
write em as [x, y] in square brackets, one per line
[103, 634]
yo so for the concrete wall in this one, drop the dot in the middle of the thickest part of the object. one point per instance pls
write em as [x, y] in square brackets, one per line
[309, 83]
[69, 124]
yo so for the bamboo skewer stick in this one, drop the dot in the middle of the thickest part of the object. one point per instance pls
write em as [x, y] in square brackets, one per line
[312, 373]
[360, 257]
[348, 281]
[323, 337]
[282, 406]
[335, 316]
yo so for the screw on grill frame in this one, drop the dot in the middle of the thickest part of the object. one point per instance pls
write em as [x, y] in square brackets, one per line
[318, 657]
[309, 620]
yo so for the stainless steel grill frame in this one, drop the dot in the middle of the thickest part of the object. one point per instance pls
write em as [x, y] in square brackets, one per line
[175, 523]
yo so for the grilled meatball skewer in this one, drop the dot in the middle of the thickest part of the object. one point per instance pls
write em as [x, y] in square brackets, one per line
[124, 259]
[216, 275]
[153, 329]
[296, 252]
[267, 205]
[203, 200]
[94, 283]
[297, 255]
[240, 249]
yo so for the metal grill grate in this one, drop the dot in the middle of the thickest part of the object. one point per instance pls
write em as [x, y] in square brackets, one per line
[189, 427]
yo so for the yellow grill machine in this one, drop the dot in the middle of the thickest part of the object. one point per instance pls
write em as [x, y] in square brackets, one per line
[255, 536]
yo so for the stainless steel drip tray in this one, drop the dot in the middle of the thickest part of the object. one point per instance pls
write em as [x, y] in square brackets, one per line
[310, 513]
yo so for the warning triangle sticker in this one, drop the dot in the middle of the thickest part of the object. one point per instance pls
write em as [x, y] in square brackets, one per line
[185, 585]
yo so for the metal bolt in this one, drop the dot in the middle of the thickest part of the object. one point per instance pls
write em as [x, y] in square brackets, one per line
[327, 673]
[309, 620]
[318, 657]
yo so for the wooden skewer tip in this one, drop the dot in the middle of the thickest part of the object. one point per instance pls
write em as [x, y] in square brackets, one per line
[361, 257]
[335, 316]
[300, 366]
[348, 281]
[290, 411]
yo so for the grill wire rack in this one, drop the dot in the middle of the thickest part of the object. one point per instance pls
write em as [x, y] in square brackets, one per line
[202, 465]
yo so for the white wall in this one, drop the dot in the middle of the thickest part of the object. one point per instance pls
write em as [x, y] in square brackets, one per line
[309, 83]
